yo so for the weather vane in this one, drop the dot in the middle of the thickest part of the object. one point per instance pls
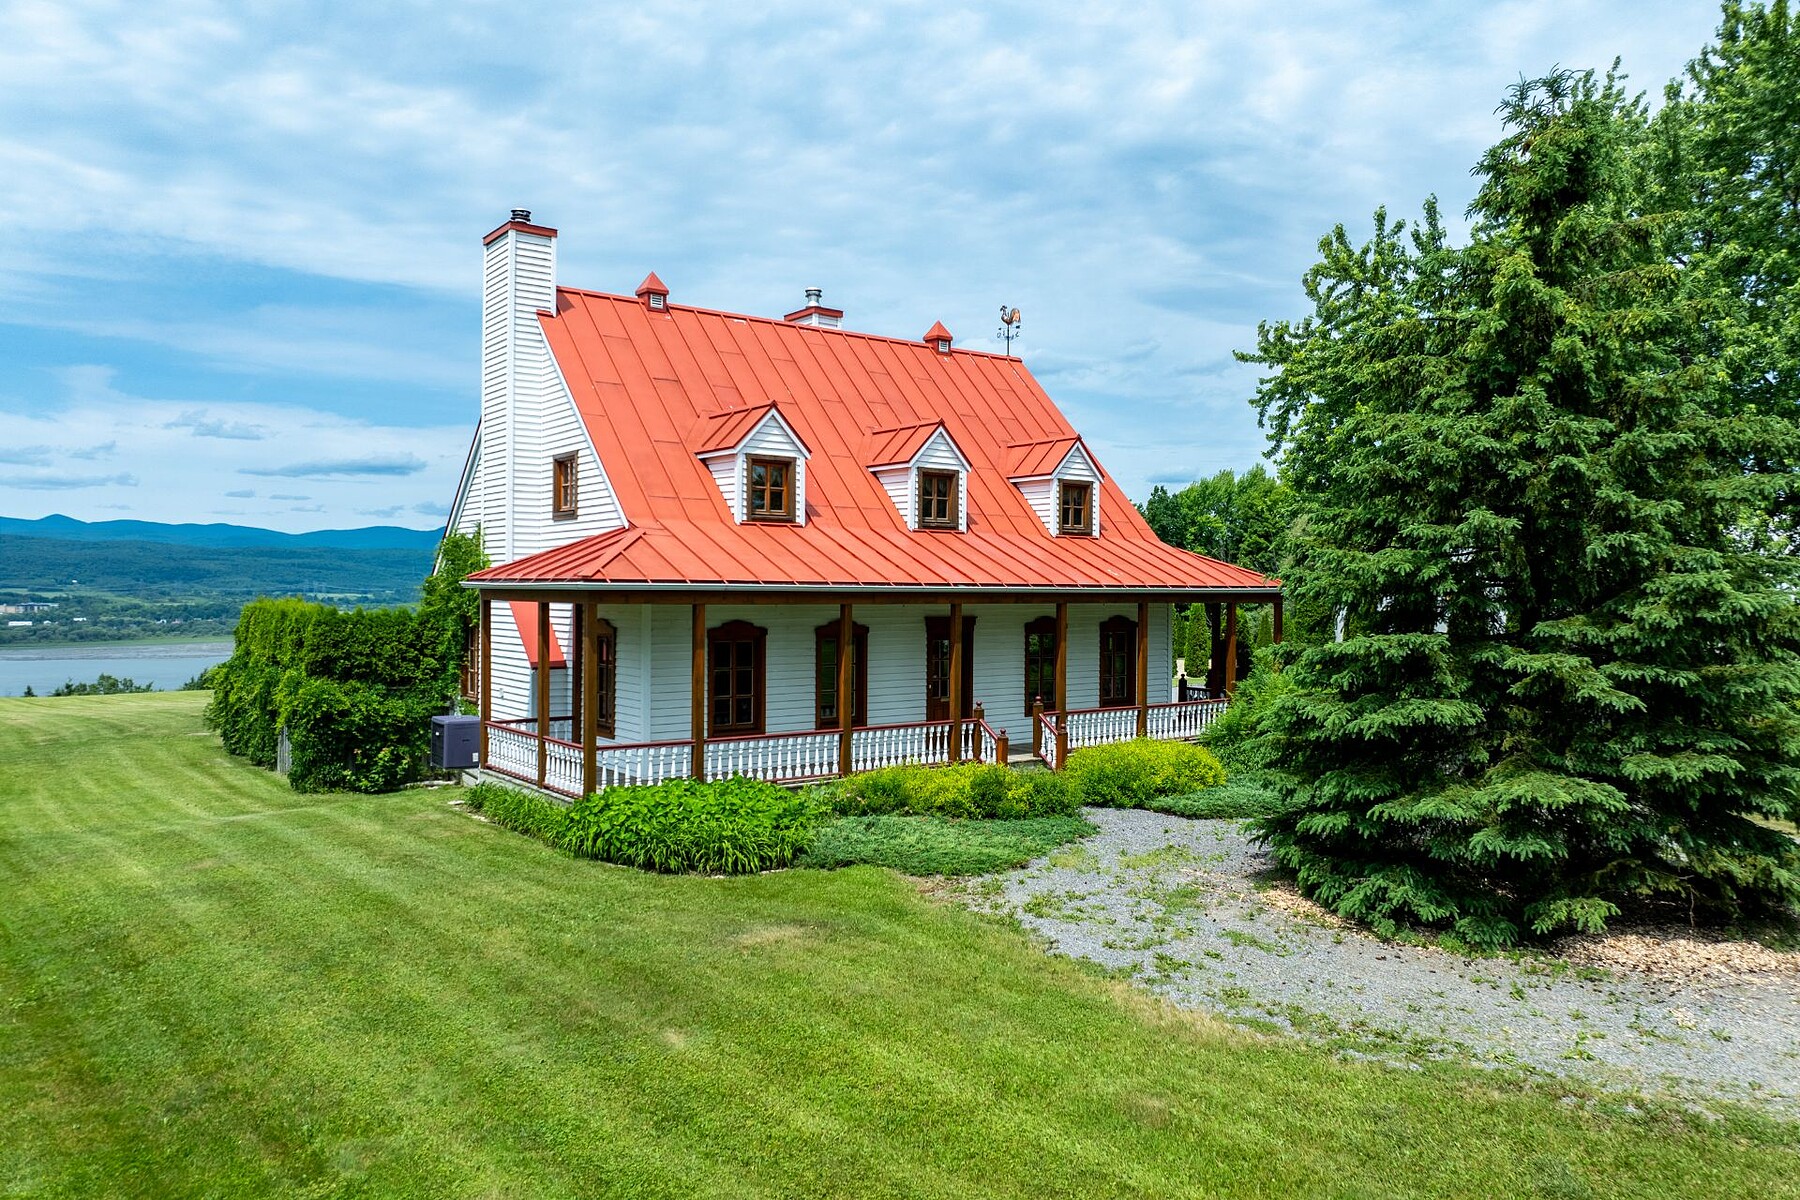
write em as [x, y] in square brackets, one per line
[1009, 325]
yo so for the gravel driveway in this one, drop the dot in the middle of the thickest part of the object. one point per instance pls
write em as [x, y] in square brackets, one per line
[1186, 908]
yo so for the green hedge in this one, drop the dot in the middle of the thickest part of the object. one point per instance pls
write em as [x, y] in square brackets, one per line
[355, 690]
[729, 826]
[1132, 774]
[983, 790]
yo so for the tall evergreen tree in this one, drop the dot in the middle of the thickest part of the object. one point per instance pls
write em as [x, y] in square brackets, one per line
[1569, 680]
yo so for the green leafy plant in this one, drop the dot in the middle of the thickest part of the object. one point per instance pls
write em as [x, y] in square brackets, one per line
[1132, 774]
[979, 790]
[939, 846]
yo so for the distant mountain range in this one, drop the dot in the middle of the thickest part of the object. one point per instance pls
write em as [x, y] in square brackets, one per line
[373, 537]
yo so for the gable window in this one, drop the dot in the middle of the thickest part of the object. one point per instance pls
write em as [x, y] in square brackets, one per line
[735, 663]
[1075, 501]
[825, 675]
[769, 483]
[1118, 662]
[605, 676]
[1040, 661]
[938, 508]
[563, 491]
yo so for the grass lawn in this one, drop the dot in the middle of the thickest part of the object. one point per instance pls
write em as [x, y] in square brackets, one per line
[212, 986]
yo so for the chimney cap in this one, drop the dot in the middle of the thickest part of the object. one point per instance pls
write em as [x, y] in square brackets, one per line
[522, 215]
[814, 311]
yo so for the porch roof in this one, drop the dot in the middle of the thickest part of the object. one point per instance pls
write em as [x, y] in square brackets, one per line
[826, 557]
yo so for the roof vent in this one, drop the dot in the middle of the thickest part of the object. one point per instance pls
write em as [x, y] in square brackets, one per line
[815, 312]
[522, 215]
[654, 293]
[938, 338]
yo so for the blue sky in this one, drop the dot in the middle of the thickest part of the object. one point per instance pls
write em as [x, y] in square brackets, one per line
[241, 277]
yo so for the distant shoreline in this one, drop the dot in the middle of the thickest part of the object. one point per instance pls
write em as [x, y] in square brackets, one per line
[202, 640]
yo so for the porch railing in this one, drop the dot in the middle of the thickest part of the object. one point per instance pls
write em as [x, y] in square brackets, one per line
[1081, 727]
[776, 757]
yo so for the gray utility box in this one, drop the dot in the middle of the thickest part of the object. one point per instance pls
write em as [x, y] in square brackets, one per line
[455, 742]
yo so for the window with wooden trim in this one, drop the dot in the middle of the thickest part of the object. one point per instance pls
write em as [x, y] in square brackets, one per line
[1118, 662]
[735, 661]
[470, 681]
[564, 491]
[606, 676]
[1040, 662]
[937, 667]
[769, 489]
[939, 499]
[1075, 503]
[825, 675]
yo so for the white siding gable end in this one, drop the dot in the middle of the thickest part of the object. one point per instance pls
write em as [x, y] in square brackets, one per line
[901, 480]
[1043, 492]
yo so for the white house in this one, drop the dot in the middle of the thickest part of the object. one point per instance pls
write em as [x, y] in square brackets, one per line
[692, 513]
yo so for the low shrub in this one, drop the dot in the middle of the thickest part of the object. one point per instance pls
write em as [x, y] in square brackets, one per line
[979, 790]
[938, 846]
[521, 811]
[729, 826]
[1240, 798]
[1131, 774]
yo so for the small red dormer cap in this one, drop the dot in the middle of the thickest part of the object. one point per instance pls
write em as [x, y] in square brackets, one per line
[653, 292]
[938, 338]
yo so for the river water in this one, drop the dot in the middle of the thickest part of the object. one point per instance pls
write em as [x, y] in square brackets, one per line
[167, 665]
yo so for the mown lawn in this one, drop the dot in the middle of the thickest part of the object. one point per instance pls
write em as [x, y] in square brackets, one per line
[211, 986]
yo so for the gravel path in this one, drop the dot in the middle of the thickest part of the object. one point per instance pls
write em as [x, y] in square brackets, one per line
[1185, 907]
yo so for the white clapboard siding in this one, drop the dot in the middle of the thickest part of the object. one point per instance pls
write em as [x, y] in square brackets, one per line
[528, 417]
[515, 684]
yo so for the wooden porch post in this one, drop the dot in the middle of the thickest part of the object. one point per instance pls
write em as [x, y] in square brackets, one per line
[1037, 726]
[698, 696]
[590, 695]
[956, 674]
[576, 669]
[543, 696]
[1230, 648]
[846, 687]
[1062, 683]
[1143, 668]
[1278, 620]
[487, 672]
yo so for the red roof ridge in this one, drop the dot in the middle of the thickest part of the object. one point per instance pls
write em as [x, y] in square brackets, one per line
[671, 306]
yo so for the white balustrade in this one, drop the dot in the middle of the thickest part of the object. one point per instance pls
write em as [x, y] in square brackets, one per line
[512, 751]
[642, 763]
[562, 767]
[776, 757]
[1173, 722]
[891, 745]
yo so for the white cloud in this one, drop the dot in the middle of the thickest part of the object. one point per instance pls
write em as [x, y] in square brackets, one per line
[175, 476]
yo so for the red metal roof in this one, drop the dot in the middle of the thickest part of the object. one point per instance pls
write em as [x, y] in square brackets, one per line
[525, 616]
[890, 447]
[647, 383]
[1032, 459]
[724, 431]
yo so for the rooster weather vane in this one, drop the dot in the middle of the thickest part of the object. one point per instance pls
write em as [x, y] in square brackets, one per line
[1009, 326]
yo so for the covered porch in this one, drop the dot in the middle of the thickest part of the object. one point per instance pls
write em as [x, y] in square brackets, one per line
[572, 739]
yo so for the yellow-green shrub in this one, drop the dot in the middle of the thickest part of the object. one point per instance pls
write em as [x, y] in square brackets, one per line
[1129, 774]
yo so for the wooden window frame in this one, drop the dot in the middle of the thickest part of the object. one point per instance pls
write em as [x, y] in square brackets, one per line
[859, 711]
[1084, 528]
[786, 514]
[953, 501]
[1043, 627]
[470, 676]
[565, 485]
[1126, 628]
[731, 633]
[937, 628]
[606, 666]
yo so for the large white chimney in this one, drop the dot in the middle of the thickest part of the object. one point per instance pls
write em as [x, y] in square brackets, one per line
[518, 280]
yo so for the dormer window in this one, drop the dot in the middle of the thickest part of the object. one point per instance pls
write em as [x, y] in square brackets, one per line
[943, 345]
[938, 496]
[769, 488]
[1075, 502]
[658, 302]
